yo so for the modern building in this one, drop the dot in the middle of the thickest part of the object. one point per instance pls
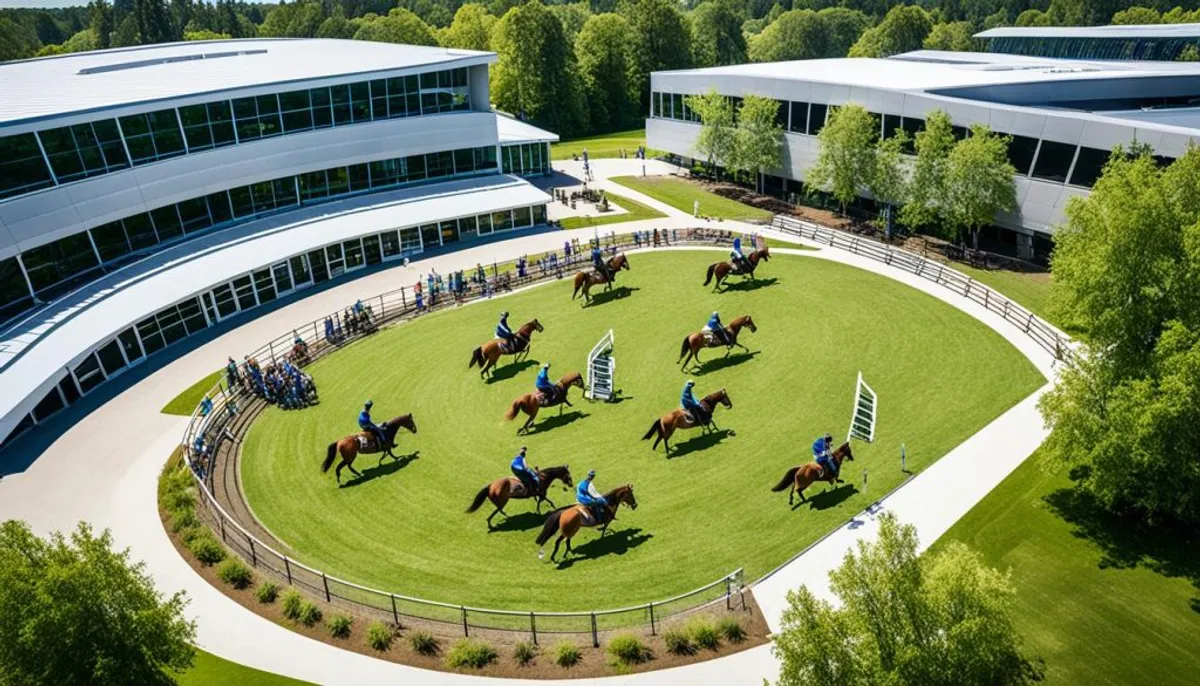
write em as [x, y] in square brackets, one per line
[1164, 42]
[148, 193]
[1063, 116]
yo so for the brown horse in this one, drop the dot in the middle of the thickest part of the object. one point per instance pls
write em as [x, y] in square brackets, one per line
[663, 428]
[530, 402]
[487, 354]
[723, 270]
[365, 442]
[693, 342]
[567, 521]
[805, 475]
[508, 488]
[587, 279]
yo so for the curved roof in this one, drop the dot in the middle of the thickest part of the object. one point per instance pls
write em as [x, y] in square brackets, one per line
[1128, 31]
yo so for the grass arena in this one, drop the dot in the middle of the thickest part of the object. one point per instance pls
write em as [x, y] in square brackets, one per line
[704, 512]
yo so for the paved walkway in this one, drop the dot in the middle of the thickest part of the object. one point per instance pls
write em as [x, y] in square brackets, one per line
[104, 470]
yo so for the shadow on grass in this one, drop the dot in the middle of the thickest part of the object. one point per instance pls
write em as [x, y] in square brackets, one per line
[746, 285]
[524, 521]
[615, 542]
[701, 442]
[720, 363]
[510, 370]
[604, 297]
[556, 421]
[827, 498]
[1127, 542]
[382, 469]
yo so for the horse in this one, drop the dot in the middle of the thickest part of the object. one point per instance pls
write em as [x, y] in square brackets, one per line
[508, 488]
[366, 443]
[487, 354]
[566, 521]
[693, 342]
[530, 402]
[298, 355]
[662, 428]
[722, 270]
[586, 279]
[805, 475]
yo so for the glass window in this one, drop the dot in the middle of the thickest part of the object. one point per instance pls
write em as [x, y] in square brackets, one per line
[60, 262]
[449, 231]
[353, 253]
[338, 180]
[360, 102]
[151, 337]
[88, 373]
[891, 124]
[297, 111]
[111, 358]
[218, 208]
[243, 290]
[386, 173]
[316, 260]
[241, 201]
[410, 241]
[485, 158]
[431, 236]
[14, 294]
[360, 178]
[194, 215]
[816, 118]
[285, 191]
[322, 107]
[391, 243]
[676, 106]
[464, 161]
[467, 226]
[502, 220]
[207, 126]
[960, 132]
[799, 118]
[522, 216]
[22, 167]
[193, 317]
[1020, 153]
[371, 251]
[48, 405]
[300, 273]
[84, 150]
[152, 136]
[166, 223]
[110, 241]
[656, 104]
[439, 164]
[129, 343]
[1088, 166]
[257, 117]
[265, 285]
[485, 224]
[313, 186]
[139, 231]
[69, 389]
[1053, 161]
[340, 97]
[539, 214]
[262, 196]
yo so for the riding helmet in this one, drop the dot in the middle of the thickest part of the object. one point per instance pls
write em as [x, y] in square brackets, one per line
[591, 473]
[370, 403]
[690, 383]
[504, 313]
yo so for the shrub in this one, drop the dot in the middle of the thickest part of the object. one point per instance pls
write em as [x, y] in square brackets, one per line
[379, 636]
[678, 642]
[292, 600]
[235, 573]
[206, 548]
[423, 642]
[189, 534]
[267, 592]
[704, 634]
[470, 653]
[524, 652]
[309, 613]
[183, 519]
[566, 654]
[339, 625]
[731, 630]
[628, 649]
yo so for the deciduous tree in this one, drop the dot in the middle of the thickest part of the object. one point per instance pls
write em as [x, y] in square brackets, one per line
[717, 37]
[796, 35]
[979, 181]
[471, 28]
[889, 182]
[536, 76]
[846, 162]
[604, 55]
[398, 26]
[717, 140]
[758, 136]
[903, 29]
[662, 40]
[927, 190]
[957, 36]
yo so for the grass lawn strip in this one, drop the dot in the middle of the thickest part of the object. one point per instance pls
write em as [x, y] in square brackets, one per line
[682, 194]
[600, 147]
[210, 670]
[634, 211]
[185, 403]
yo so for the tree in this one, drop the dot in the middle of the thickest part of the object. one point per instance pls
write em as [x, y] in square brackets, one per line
[294, 20]
[397, 26]
[927, 190]
[944, 618]
[979, 181]
[605, 56]
[101, 20]
[47, 29]
[78, 612]
[1137, 15]
[536, 77]
[889, 181]
[717, 140]
[758, 136]
[753, 27]
[471, 28]
[717, 37]
[796, 35]
[154, 23]
[86, 40]
[846, 162]
[572, 16]
[843, 28]
[17, 42]
[661, 40]
[337, 26]
[903, 29]
[125, 35]
[1190, 53]
[204, 35]
[1033, 17]
[957, 36]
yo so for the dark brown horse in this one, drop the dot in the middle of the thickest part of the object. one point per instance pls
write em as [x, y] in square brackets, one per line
[487, 354]
[508, 488]
[805, 475]
[586, 279]
[530, 402]
[723, 270]
[664, 427]
[366, 443]
[567, 521]
[693, 342]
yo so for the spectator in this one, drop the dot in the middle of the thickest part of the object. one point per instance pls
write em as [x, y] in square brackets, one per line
[420, 302]
[206, 406]
[232, 377]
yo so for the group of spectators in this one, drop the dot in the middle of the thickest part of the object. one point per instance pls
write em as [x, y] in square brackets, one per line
[282, 384]
[433, 288]
[356, 318]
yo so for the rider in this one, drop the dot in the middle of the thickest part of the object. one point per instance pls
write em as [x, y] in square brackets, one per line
[598, 261]
[716, 328]
[688, 401]
[544, 385]
[822, 451]
[589, 497]
[738, 257]
[365, 423]
[522, 471]
[502, 329]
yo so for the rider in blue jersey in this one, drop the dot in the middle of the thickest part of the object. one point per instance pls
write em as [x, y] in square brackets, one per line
[365, 423]
[523, 472]
[589, 497]
[823, 453]
[717, 329]
[738, 257]
[544, 385]
[503, 330]
[598, 261]
[690, 405]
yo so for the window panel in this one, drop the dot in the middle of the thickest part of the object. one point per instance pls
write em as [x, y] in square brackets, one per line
[371, 250]
[241, 201]
[110, 358]
[14, 293]
[110, 241]
[467, 226]
[1053, 161]
[139, 231]
[22, 167]
[816, 118]
[265, 285]
[1020, 153]
[219, 208]
[391, 243]
[360, 102]
[359, 178]
[431, 236]
[152, 339]
[297, 112]
[449, 230]
[798, 123]
[300, 274]
[166, 223]
[539, 214]
[313, 186]
[485, 224]
[322, 107]
[464, 161]
[379, 99]
[341, 104]
[353, 251]
[48, 405]
[285, 191]
[129, 344]
[194, 215]
[410, 241]
[891, 124]
[59, 261]
[88, 373]
[1088, 166]
[522, 216]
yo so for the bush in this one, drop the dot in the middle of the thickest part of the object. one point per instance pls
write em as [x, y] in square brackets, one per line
[524, 652]
[731, 630]
[183, 519]
[678, 642]
[628, 649]
[267, 592]
[235, 573]
[189, 534]
[566, 654]
[379, 636]
[339, 626]
[470, 653]
[292, 600]
[423, 642]
[206, 548]
[704, 634]
[309, 613]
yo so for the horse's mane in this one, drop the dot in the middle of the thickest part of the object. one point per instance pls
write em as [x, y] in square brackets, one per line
[613, 493]
[714, 395]
[566, 380]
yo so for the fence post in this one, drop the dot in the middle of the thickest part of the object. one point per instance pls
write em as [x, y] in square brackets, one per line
[271, 347]
[728, 605]
[653, 632]
[288, 568]
[381, 308]
[533, 627]
[1006, 309]
[221, 521]
[466, 632]
[316, 333]
[1028, 322]
[595, 635]
[325, 581]
[395, 615]
[253, 555]
[403, 299]
[986, 299]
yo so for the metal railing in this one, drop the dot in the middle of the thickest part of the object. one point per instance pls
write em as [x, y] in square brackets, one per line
[1045, 335]
[213, 424]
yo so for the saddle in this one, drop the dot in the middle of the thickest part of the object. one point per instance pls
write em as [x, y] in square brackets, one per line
[545, 399]
[511, 345]
[711, 340]
[367, 442]
[588, 518]
[517, 489]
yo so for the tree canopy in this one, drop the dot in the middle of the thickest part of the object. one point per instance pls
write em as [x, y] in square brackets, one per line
[979, 181]
[662, 40]
[536, 75]
[717, 37]
[903, 29]
[605, 58]
[927, 190]
[716, 141]
[397, 26]
[758, 136]
[846, 162]
[471, 28]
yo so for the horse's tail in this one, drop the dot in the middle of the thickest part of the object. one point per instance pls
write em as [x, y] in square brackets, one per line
[711, 268]
[656, 427]
[329, 455]
[787, 479]
[550, 527]
[476, 357]
[516, 407]
[579, 277]
[479, 498]
[683, 349]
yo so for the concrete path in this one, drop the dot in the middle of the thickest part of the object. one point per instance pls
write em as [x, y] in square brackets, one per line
[104, 470]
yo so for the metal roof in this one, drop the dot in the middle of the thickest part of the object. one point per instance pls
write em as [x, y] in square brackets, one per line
[516, 131]
[88, 81]
[1119, 31]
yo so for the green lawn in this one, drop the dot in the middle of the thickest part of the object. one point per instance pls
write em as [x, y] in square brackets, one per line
[635, 211]
[605, 145]
[185, 403]
[1101, 602]
[210, 670]
[681, 194]
[703, 513]
[1030, 290]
